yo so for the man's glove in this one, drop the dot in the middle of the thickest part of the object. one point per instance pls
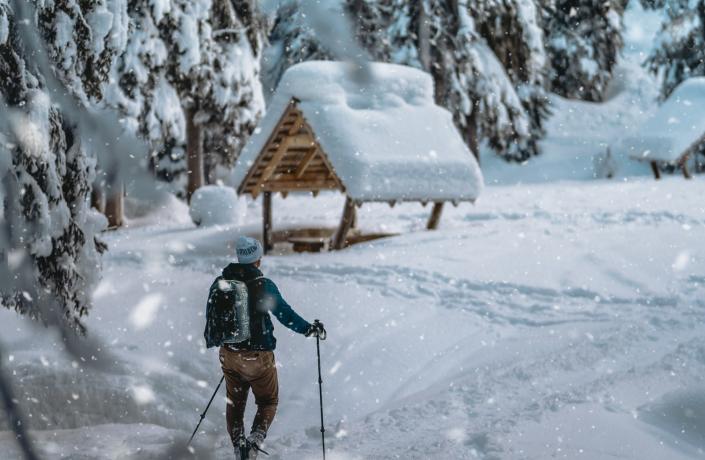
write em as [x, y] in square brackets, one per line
[316, 330]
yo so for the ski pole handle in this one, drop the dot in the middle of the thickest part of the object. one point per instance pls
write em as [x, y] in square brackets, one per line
[323, 334]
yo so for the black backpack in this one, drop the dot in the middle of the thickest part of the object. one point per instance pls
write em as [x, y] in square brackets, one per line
[227, 313]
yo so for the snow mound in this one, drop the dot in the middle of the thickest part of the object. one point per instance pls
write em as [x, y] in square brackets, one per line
[673, 129]
[385, 137]
[681, 413]
[165, 209]
[215, 205]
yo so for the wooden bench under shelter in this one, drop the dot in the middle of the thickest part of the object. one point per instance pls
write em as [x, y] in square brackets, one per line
[321, 133]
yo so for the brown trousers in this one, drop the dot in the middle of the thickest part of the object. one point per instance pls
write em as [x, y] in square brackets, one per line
[244, 370]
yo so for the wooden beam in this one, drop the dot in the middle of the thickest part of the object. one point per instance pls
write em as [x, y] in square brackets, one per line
[654, 168]
[278, 155]
[279, 186]
[305, 162]
[435, 216]
[301, 141]
[292, 115]
[324, 159]
[345, 224]
[353, 224]
[267, 222]
[271, 166]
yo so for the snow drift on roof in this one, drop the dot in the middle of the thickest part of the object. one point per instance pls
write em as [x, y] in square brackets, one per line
[386, 138]
[673, 129]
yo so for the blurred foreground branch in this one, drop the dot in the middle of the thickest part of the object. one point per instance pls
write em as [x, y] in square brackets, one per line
[14, 416]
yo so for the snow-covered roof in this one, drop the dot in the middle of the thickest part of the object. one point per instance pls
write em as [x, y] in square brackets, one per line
[385, 139]
[677, 125]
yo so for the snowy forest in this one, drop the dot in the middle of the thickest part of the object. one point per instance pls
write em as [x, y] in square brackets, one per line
[559, 315]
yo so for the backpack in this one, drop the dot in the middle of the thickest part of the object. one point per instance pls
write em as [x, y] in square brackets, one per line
[227, 313]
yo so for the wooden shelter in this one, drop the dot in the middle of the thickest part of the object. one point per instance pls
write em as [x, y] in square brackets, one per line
[673, 133]
[321, 133]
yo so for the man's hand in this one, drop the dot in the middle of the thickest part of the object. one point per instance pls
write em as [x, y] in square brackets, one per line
[316, 330]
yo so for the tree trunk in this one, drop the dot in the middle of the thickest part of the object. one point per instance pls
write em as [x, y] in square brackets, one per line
[194, 154]
[114, 206]
[424, 35]
[98, 198]
[472, 141]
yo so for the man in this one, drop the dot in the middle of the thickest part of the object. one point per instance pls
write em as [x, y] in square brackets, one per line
[250, 364]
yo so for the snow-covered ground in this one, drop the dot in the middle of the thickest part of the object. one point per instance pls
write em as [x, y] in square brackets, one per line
[559, 320]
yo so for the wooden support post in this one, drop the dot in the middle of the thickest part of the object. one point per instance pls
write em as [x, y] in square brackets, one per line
[684, 167]
[353, 224]
[435, 216]
[654, 168]
[345, 224]
[114, 207]
[267, 244]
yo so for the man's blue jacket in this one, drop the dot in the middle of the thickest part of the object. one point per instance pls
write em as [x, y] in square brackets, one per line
[264, 298]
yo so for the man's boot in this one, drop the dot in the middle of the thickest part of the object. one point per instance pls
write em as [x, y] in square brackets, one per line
[254, 441]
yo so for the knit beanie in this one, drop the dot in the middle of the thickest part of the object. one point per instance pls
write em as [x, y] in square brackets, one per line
[249, 250]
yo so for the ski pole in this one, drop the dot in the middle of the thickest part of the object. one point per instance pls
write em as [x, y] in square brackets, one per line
[320, 389]
[203, 415]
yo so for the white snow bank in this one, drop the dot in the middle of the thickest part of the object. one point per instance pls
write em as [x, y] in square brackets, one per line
[673, 129]
[166, 209]
[681, 413]
[386, 138]
[572, 315]
[103, 442]
[216, 205]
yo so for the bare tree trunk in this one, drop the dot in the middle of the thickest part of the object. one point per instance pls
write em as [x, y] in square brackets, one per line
[210, 168]
[98, 197]
[194, 154]
[424, 39]
[15, 419]
[114, 206]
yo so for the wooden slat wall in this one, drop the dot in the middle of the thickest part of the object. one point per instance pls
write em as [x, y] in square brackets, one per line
[291, 160]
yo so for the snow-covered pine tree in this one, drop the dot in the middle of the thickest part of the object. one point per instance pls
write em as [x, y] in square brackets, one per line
[200, 61]
[234, 101]
[291, 40]
[512, 30]
[84, 39]
[441, 37]
[49, 251]
[144, 95]
[583, 41]
[679, 49]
